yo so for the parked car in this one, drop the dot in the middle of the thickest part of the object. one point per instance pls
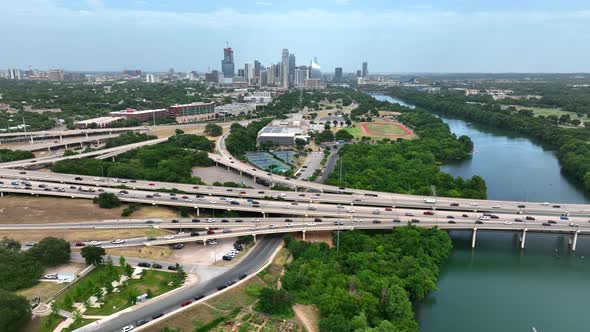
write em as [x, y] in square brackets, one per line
[144, 264]
[157, 266]
[172, 267]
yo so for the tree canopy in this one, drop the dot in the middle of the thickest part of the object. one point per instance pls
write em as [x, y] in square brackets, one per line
[15, 311]
[18, 270]
[93, 254]
[51, 251]
[107, 200]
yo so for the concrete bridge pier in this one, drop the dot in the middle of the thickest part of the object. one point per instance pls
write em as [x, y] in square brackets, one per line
[198, 211]
[523, 239]
[61, 137]
[263, 215]
[473, 237]
[575, 240]
[86, 134]
[240, 173]
[1, 194]
[254, 236]
[204, 243]
[303, 234]
[113, 158]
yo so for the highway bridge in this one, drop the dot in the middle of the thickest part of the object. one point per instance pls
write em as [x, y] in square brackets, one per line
[64, 143]
[34, 136]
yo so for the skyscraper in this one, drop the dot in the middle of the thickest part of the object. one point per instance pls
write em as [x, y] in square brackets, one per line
[291, 69]
[227, 64]
[271, 79]
[315, 69]
[301, 74]
[14, 74]
[338, 74]
[249, 72]
[256, 68]
[365, 72]
[285, 68]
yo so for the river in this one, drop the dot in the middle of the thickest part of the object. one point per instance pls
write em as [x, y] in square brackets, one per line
[497, 286]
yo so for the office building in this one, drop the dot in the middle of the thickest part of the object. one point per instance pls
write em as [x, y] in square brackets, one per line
[315, 69]
[312, 83]
[192, 112]
[291, 69]
[285, 68]
[249, 73]
[358, 73]
[212, 77]
[132, 72]
[227, 64]
[14, 74]
[151, 78]
[143, 115]
[241, 72]
[55, 75]
[270, 74]
[301, 74]
[365, 71]
[338, 74]
[257, 68]
[283, 132]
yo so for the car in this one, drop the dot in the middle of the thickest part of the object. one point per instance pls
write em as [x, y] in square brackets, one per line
[221, 286]
[198, 297]
[484, 218]
[175, 221]
[196, 220]
[294, 203]
[518, 219]
[508, 222]
[151, 238]
[144, 264]
[337, 223]
[473, 203]
[22, 172]
[174, 198]
[227, 258]
[451, 221]
[556, 206]
[156, 266]
[158, 315]
[573, 225]
[224, 220]
[172, 267]
[185, 303]
[94, 243]
[396, 220]
[376, 212]
[552, 221]
[118, 241]
[529, 218]
[465, 215]
[271, 226]
[493, 216]
[209, 232]
[178, 246]
[545, 203]
[546, 224]
[495, 206]
[243, 276]
[564, 217]
[388, 209]
[238, 220]
[408, 214]
[168, 237]
[479, 222]
[317, 219]
[450, 217]
[142, 322]
[311, 224]
[227, 230]
[210, 220]
[50, 276]
[29, 244]
[77, 178]
[428, 213]
[350, 210]
[415, 221]
[376, 221]
[127, 328]
[521, 206]
[454, 204]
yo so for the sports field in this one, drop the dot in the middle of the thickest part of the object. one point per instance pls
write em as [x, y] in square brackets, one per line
[381, 130]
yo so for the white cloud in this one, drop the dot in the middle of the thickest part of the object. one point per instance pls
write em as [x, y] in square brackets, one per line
[264, 3]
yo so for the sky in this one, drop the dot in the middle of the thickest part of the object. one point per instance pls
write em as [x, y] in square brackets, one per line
[395, 36]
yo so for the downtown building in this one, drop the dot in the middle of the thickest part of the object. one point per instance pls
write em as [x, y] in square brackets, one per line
[227, 66]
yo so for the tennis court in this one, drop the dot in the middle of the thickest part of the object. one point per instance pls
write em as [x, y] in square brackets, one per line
[287, 156]
[264, 160]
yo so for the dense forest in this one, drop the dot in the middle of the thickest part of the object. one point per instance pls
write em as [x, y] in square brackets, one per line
[127, 138]
[370, 283]
[171, 161]
[572, 144]
[242, 139]
[410, 166]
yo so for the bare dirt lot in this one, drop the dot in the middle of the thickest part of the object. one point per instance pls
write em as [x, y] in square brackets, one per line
[26, 210]
[43, 289]
[82, 234]
[319, 236]
[220, 174]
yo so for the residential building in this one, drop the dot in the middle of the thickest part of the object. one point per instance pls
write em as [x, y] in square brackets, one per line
[312, 83]
[14, 74]
[151, 78]
[257, 68]
[55, 75]
[249, 72]
[197, 111]
[291, 69]
[301, 74]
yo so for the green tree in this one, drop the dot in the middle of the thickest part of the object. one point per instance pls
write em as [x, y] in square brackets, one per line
[275, 301]
[18, 270]
[9, 244]
[107, 200]
[51, 251]
[15, 311]
[93, 254]
[344, 135]
[214, 130]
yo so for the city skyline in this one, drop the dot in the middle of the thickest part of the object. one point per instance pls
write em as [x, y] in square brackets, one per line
[393, 37]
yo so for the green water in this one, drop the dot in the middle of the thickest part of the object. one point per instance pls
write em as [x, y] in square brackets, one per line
[497, 286]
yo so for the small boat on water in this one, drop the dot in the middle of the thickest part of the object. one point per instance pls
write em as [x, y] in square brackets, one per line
[534, 329]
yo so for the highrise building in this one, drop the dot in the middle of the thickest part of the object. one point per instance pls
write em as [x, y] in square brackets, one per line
[291, 69]
[56, 75]
[365, 72]
[241, 72]
[301, 74]
[338, 74]
[285, 68]
[227, 64]
[271, 76]
[151, 78]
[263, 77]
[257, 68]
[358, 73]
[171, 71]
[14, 74]
[249, 72]
[315, 69]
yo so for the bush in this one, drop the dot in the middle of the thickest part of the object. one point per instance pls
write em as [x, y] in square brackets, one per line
[212, 129]
[107, 200]
[275, 301]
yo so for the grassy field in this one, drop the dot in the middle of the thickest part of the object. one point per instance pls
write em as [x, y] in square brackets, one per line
[21, 209]
[150, 252]
[356, 131]
[545, 111]
[43, 289]
[155, 281]
[385, 129]
[82, 234]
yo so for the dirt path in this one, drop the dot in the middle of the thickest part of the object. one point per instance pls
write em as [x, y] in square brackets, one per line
[308, 315]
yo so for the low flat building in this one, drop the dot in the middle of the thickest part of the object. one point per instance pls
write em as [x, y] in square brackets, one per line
[143, 115]
[102, 122]
[280, 135]
[198, 111]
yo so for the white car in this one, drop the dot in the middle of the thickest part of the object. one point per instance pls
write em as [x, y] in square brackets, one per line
[118, 241]
[212, 202]
[545, 203]
[210, 220]
[573, 225]
[473, 203]
[508, 222]
[358, 220]
[273, 226]
[484, 218]
[94, 243]
[311, 224]
[313, 207]
[495, 206]
[127, 328]
[289, 224]
[98, 179]
[350, 210]
[168, 237]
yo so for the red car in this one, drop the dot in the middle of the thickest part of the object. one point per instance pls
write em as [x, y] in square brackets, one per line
[387, 209]
[428, 213]
[151, 184]
[79, 244]
[210, 231]
[184, 197]
[184, 304]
